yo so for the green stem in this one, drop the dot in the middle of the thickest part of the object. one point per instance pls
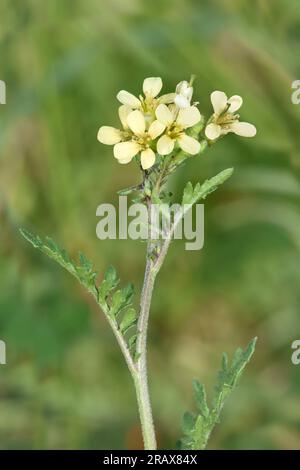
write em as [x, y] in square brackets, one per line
[141, 375]
[141, 379]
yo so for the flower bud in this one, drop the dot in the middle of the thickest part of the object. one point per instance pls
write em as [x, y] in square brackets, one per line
[184, 93]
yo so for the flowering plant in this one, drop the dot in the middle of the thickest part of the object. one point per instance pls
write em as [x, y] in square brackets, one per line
[160, 133]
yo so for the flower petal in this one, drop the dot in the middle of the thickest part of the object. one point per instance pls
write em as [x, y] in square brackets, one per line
[167, 98]
[189, 144]
[136, 122]
[125, 151]
[109, 135]
[184, 88]
[127, 98]
[164, 115]
[165, 145]
[123, 161]
[155, 129]
[235, 102]
[188, 117]
[152, 86]
[147, 159]
[173, 110]
[219, 101]
[244, 129]
[181, 101]
[124, 110]
[213, 131]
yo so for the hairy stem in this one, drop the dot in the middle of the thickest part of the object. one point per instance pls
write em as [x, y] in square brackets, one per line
[153, 265]
[141, 379]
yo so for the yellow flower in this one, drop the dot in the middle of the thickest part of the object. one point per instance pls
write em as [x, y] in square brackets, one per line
[225, 120]
[151, 88]
[174, 125]
[110, 135]
[136, 137]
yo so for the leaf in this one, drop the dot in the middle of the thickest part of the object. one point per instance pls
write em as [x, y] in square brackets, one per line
[192, 195]
[188, 194]
[112, 302]
[132, 341]
[229, 376]
[197, 429]
[34, 240]
[116, 303]
[121, 299]
[200, 398]
[111, 276]
[188, 422]
[85, 263]
[108, 284]
[103, 291]
[128, 320]
[83, 272]
[240, 360]
[129, 190]
[127, 292]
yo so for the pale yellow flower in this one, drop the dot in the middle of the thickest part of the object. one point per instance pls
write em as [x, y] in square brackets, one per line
[224, 119]
[110, 135]
[175, 125]
[140, 141]
[149, 102]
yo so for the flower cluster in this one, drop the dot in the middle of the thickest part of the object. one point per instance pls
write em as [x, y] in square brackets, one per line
[153, 124]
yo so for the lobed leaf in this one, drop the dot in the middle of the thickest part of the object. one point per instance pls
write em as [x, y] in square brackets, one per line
[197, 429]
[111, 301]
[129, 319]
[193, 195]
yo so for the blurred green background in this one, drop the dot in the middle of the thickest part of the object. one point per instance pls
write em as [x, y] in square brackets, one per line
[65, 384]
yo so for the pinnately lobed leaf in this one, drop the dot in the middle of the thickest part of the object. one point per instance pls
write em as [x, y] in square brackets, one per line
[200, 398]
[129, 319]
[113, 303]
[197, 428]
[201, 191]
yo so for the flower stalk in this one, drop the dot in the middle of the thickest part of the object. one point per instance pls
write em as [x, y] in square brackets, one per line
[141, 379]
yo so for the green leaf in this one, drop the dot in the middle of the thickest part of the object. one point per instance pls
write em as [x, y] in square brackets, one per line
[116, 303]
[193, 195]
[127, 292]
[112, 302]
[111, 276]
[132, 341]
[108, 284]
[200, 398]
[188, 194]
[85, 263]
[129, 319]
[197, 430]
[188, 422]
[83, 272]
[121, 299]
[212, 184]
[131, 189]
[103, 291]
[34, 240]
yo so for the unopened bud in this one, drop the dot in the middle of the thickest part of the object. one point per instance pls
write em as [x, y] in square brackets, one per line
[184, 93]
